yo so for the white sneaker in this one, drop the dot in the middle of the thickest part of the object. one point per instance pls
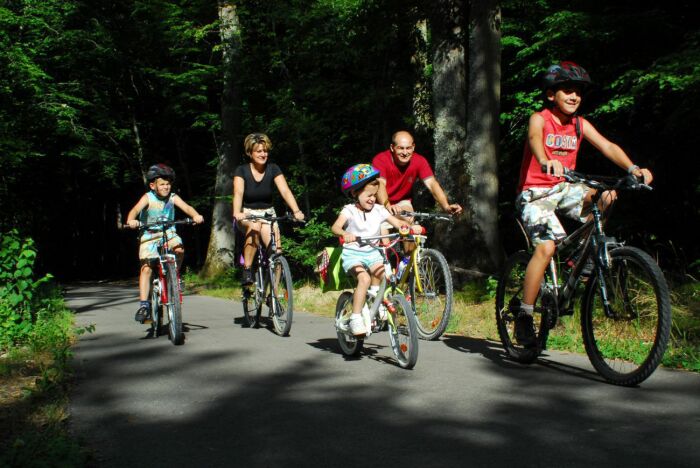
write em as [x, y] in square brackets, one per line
[357, 325]
[341, 325]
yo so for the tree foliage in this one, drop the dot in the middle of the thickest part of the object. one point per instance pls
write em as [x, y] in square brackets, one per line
[93, 92]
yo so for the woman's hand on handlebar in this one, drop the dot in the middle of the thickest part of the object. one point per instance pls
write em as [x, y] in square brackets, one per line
[299, 215]
[133, 223]
[239, 216]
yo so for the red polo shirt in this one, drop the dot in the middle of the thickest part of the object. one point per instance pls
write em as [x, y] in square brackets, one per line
[399, 181]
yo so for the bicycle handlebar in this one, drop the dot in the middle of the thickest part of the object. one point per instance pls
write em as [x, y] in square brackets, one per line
[286, 217]
[628, 182]
[164, 223]
[367, 239]
[420, 215]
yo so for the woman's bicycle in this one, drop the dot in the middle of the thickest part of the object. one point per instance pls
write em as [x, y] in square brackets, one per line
[166, 292]
[625, 313]
[388, 310]
[429, 282]
[273, 283]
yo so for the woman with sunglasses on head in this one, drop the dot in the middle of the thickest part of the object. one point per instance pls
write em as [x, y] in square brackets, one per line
[252, 195]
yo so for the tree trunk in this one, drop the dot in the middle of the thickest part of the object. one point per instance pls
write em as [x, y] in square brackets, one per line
[222, 240]
[484, 94]
[466, 129]
[448, 26]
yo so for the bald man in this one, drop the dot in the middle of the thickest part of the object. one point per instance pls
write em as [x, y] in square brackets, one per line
[399, 168]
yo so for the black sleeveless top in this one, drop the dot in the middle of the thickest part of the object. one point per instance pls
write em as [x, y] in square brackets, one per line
[258, 195]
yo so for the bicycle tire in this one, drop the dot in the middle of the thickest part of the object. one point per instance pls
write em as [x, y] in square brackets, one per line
[403, 332]
[433, 306]
[508, 299]
[627, 348]
[281, 296]
[252, 302]
[156, 311]
[174, 307]
[343, 310]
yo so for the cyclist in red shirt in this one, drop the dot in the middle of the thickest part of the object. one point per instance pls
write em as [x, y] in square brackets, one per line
[399, 168]
[554, 138]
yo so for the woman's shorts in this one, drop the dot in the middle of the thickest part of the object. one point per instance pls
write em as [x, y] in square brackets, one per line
[538, 209]
[255, 212]
[351, 258]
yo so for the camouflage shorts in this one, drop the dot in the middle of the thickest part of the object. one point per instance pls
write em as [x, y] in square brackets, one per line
[538, 208]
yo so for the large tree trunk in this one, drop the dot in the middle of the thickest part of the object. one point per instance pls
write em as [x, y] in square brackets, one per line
[466, 130]
[221, 242]
[483, 101]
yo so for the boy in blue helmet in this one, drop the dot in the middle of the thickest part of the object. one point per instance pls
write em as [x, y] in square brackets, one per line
[554, 138]
[158, 203]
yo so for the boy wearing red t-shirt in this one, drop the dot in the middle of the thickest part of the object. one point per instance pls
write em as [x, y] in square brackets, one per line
[554, 139]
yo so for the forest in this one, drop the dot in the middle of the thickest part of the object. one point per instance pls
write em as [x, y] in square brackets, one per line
[92, 92]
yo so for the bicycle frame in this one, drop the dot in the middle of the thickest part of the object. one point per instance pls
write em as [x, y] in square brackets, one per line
[590, 241]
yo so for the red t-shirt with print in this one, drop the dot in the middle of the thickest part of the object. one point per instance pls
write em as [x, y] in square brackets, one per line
[560, 142]
[399, 181]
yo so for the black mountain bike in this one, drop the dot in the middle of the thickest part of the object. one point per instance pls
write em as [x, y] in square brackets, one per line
[625, 310]
[166, 293]
[272, 284]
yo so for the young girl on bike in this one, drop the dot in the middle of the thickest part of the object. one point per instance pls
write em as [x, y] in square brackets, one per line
[359, 219]
[554, 139]
[252, 194]
[156, 204]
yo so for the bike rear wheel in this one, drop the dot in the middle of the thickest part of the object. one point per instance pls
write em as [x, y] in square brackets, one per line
[403, 332]
[156, 311]
[252, 301]
[280, 296]
[174, 306]
[626, 345]
[349, 345]
[432, 305]
[509, 296]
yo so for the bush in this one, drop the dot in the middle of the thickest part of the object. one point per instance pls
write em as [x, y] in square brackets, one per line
[19, 301]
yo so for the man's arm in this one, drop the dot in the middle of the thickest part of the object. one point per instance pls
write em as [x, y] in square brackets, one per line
[440, 197]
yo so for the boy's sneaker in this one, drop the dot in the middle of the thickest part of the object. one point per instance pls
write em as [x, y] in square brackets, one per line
[247, 278]
[525, 333]
[142, 314]
[357, 325]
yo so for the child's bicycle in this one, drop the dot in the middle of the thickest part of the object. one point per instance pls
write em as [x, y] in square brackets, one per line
[625, 310]
[429, 282]
[272, 284]
[166, 292]
[388, 310]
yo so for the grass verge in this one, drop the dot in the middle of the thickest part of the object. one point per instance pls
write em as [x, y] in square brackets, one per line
[34, 380]
[473, 315]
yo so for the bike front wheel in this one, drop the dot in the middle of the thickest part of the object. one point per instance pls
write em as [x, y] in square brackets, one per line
[349, 345]
[626, 342]
[280, 296]
[432, 302]
[156, 312]
[174, 306]
[509, 295]
[403, 332]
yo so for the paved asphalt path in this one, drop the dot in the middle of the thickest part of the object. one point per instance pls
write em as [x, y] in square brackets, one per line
[237, 397]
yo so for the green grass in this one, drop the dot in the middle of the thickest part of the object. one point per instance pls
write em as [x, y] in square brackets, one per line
[34, 382]
[473, 315]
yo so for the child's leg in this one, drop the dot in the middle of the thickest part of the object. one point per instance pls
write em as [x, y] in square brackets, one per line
[179, 252]
[535, 271]
[145, 281]
[363, 282]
